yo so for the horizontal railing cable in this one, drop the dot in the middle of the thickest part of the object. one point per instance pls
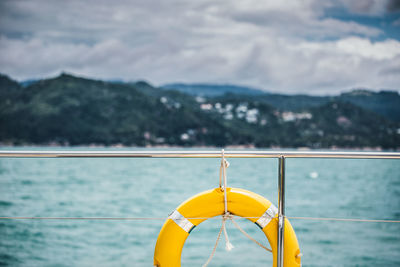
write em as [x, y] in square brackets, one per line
[85, 218]
[343, 219]
[194, 218]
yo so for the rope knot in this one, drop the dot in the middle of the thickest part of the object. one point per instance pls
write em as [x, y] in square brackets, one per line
[227, 216]
[228, 244]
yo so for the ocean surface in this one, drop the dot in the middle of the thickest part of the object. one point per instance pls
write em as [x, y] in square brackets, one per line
[144, 187]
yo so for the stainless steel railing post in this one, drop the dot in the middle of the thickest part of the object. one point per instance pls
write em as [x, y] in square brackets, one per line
[281, 210]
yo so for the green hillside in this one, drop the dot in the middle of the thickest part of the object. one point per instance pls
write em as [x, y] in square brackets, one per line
[80, 111]
[76, 111]
[385, 103]
[334, 123]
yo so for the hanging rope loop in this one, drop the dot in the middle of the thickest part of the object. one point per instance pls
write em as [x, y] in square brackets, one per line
[226, 216]
[222, 171]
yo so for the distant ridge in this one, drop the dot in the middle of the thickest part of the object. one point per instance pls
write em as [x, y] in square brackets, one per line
[26, 83]
[70, 110]
[385, 102]
[203, 89]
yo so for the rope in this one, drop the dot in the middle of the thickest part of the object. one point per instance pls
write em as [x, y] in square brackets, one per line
[224, 164]
[215, 247]
[248, 236]
[226, 215]
[228, 245]
[222, 170]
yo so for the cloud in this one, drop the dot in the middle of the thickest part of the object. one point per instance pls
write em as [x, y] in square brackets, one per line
[371, 7]
[320, 67]
[286, 46]
[387, 49]
[393, 6]
[308, 67]
[396, 22]
[366, 7]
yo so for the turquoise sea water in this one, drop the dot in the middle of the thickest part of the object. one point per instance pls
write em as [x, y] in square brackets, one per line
[154, 187]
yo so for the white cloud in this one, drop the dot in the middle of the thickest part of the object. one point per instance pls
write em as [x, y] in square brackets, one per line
[286, 46]
[387, 49]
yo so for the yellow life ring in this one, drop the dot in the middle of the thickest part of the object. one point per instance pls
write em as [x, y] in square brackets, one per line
[210, 203]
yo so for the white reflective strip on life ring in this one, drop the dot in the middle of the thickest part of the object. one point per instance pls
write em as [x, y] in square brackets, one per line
[268, 215]
[181, 221]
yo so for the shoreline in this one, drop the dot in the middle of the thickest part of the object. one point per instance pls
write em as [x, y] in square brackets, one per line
[233, 147]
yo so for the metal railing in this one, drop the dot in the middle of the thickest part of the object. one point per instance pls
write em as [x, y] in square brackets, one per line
[280, 155]
[197, 154]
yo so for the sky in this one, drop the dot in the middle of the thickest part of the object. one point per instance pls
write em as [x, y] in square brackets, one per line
[285, 46]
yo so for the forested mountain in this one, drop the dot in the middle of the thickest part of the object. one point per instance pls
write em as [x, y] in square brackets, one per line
[385, 103]
[77, 111]
[208, 90]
